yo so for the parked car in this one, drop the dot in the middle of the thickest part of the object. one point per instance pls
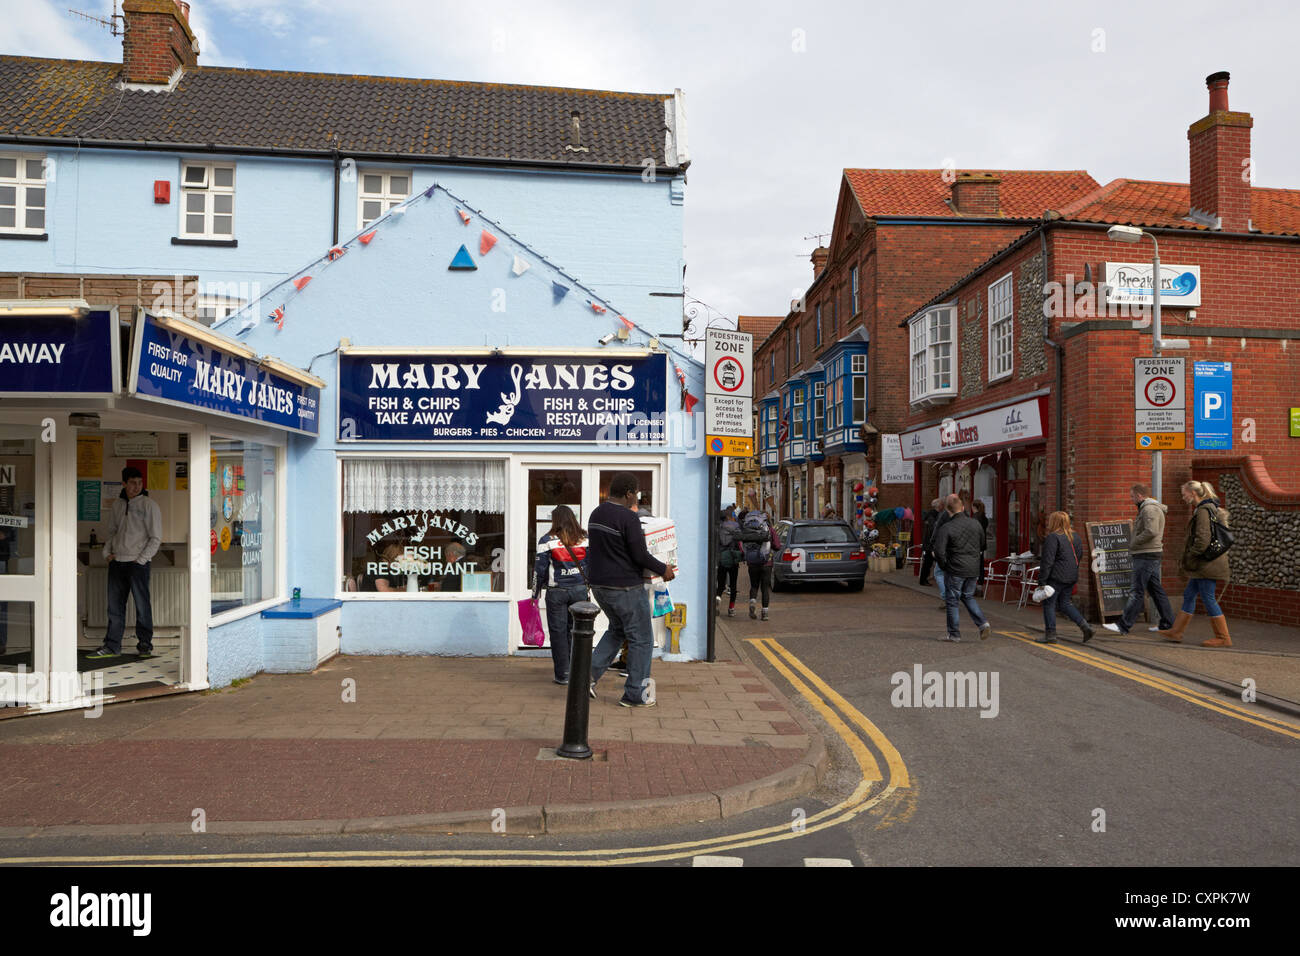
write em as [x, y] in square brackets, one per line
[818, 551]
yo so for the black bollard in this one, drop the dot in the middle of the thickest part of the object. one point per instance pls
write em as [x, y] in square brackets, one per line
[578, 705]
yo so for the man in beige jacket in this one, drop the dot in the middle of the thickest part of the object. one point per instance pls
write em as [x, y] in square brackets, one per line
[1147, 551]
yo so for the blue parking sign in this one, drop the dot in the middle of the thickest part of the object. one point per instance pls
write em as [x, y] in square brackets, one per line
[1212, 386]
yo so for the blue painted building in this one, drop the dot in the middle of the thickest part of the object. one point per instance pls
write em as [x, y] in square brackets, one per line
[317, 226]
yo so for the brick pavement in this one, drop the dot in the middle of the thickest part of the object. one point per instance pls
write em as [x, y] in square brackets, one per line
[424, 735]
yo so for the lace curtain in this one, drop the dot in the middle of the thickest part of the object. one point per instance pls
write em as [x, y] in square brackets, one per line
[393, 484]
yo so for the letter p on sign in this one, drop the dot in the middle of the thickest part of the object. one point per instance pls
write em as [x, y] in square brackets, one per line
[1212, 405]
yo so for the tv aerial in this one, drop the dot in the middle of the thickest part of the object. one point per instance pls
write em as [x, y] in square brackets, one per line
[112, 22]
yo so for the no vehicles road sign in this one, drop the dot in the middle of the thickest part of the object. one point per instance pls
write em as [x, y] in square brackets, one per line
[1160, 403]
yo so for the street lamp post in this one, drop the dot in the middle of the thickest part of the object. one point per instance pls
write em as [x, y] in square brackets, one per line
[1134, 234]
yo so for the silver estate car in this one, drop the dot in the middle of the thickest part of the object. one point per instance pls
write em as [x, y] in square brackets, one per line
[813, 551]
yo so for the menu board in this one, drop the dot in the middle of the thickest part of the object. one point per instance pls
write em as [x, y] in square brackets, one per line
[1108, 544]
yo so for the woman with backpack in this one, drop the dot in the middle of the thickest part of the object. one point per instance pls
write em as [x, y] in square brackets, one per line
[730, 555]
[759, 544]
[1062, 551]
[1202, 573]
[559, 568]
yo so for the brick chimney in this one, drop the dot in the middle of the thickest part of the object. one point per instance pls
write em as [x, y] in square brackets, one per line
[1219, 147]
[976, 194]
[821, 255]
[158, 40]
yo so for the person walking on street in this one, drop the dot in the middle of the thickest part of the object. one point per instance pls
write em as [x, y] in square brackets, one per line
[977, 509]
[958, 544]
[616, 559]
[928, 519]
[1147, 552]
[1062, 551]
[1202, 573]
[561, 561]
[939, 574]
[134, 536]
[730, 554]
[760, 543]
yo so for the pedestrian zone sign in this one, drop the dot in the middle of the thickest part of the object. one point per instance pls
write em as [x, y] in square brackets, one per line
[728, 392]
[1160, 403]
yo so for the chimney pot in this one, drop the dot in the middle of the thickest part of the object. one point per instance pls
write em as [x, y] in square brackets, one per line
[1218, 87]
[821, 255]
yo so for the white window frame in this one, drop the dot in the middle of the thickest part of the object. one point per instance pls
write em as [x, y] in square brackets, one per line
[818, 342]
[386, 198]
[858, 394]
[854, 274]
[930, 346]
[798, 346]
[1001, 329]
[858, 364]
[819, 409]
[209, 192]
[797, 412]
[20, 182]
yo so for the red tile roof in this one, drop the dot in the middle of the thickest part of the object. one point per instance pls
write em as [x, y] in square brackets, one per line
[1137, 202]
[760, 326]
[1022, 194]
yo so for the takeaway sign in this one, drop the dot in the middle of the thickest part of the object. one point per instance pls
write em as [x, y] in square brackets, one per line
[48, 356]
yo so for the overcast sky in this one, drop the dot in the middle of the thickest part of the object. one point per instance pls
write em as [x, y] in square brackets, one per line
[782, 96]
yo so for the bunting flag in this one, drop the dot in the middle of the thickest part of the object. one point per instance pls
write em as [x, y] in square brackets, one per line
[462, 260]
[335, 253]
[277, 316]
[398, 210]
[485, 242]
[464, 216]
[629, 325]
[558, 292]
[247, 324]
[428, 193]
[598, 309]
[300, 283]
[365, 240]
[681, 376]
[688, 401]
[520, 266]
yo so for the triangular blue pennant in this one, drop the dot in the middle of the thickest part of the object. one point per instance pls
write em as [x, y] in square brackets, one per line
[558, 292]
[462, 260]
[428, 193]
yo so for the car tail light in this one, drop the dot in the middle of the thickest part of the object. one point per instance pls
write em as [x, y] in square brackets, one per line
[787, 555]
[858, 556]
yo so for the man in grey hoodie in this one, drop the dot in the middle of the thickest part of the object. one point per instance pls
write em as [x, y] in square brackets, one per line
[134, 535]
[1147, 551]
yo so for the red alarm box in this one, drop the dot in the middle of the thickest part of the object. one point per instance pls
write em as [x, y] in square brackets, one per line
[162, 191]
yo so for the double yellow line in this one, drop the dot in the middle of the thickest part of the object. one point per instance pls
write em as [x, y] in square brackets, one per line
[1218, 705]
[820, 695]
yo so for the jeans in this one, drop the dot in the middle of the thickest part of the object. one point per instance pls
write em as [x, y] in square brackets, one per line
[939, 579]
[1060, 601]
[1146, 580]
[961, 589]
[628, 611]
[760, 576]
[1205, 588]
[124, 576]
[559, 625]
[728, 577]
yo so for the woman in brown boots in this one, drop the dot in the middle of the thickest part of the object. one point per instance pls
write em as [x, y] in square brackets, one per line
[1201, 574]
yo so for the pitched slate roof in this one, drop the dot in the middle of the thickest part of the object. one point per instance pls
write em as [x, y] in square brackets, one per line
[1139, 202]
[1022, 194]
[234, 109]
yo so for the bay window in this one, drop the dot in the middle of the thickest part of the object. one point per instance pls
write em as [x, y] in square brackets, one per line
[819, 409]
[933, 353]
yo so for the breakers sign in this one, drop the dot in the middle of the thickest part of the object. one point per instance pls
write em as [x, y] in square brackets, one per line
[996, 428]
[493, 397]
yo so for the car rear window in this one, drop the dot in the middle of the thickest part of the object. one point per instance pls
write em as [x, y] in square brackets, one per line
[824, 534]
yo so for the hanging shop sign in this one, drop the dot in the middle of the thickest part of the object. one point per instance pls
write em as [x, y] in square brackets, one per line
[1160, 403]
[172, 367]
[494, 397]
[1212, 423]
[894, 469]
[54, 356]
[1016, 424]
[1130, 283]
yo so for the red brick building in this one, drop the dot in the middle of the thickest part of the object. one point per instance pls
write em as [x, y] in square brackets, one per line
[832, 377]
[1021, 373]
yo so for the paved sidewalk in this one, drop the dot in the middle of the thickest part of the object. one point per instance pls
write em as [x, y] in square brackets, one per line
[1265, 653]
[429, 743]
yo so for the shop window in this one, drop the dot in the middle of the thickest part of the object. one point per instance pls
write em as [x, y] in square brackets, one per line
[1000, 328]
[242, 522]
[413, 526]
[22, 193]
[379, 192]
[934, 354]
[207, 201]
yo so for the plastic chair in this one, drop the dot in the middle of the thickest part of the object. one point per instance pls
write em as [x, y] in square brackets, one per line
[914, 554]
[993, 576]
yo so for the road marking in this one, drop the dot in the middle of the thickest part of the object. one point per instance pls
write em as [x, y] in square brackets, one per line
[717, 861]
[856, 803]
[1163, 685]
[825, 861]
